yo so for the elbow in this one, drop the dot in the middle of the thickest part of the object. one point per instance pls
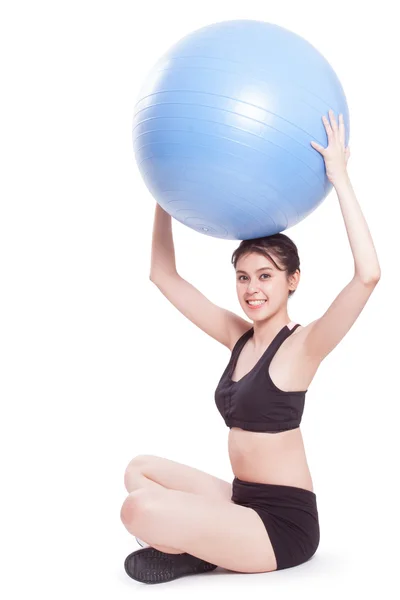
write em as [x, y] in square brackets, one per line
[376, 276]
[371, 279]
[161, 276]
[152, 278]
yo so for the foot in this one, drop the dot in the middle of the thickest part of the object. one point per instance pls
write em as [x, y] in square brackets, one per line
[149, 565]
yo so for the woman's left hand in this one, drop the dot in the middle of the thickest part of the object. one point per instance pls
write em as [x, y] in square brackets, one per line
[335, 155]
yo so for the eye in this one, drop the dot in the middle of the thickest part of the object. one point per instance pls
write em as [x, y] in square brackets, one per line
[240, 276]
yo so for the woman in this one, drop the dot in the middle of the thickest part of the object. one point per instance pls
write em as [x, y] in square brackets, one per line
[267, 519]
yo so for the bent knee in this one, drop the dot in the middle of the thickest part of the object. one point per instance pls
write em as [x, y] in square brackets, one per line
[139, 461]
[136, 464]
[133, 506]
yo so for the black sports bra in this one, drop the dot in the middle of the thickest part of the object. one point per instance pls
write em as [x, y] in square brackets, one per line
[255, 403]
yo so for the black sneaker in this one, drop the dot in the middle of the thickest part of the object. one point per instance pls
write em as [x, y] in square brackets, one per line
[149, 565]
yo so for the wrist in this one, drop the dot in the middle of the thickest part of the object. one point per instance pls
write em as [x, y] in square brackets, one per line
[342, 180]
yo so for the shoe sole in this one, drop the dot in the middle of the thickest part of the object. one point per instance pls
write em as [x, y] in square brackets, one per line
[142, 544]
[149, 565]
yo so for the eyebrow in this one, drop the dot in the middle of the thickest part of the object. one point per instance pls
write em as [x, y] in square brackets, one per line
[262, 269]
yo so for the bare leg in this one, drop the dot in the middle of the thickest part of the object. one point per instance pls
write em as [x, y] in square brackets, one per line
[141, 481]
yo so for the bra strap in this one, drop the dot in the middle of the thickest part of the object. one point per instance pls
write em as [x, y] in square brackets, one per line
[278, 341]
[241, 342]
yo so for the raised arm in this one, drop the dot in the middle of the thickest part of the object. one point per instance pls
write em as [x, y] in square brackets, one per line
[327, 331]
[221, 324]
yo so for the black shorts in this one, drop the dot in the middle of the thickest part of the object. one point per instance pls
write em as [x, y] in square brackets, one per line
[289, 514]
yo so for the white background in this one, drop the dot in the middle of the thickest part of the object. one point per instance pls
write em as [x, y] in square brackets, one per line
[98, 367]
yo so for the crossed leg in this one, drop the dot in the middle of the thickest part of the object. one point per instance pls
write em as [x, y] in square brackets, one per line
[199, 519]
[156, 473]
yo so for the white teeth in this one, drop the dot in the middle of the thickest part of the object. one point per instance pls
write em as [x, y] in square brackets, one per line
[255, 302]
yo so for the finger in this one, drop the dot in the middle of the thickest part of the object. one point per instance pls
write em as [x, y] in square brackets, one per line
[342, 135]
[317, 147]
[327, 127]
[333, 120]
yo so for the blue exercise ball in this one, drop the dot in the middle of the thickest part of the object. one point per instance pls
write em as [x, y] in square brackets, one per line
[223, 124]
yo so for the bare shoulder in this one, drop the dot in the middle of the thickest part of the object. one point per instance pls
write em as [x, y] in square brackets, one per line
[296, 347]
[292, 369]
[238, 327]
[295, 342]
[297, 339]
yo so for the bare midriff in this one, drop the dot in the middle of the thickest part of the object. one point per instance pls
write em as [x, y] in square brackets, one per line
[277, 458]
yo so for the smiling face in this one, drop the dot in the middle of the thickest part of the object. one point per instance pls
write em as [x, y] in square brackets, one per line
[257, 278]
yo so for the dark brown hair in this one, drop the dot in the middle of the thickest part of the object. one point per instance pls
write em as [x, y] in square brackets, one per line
[283, 248]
